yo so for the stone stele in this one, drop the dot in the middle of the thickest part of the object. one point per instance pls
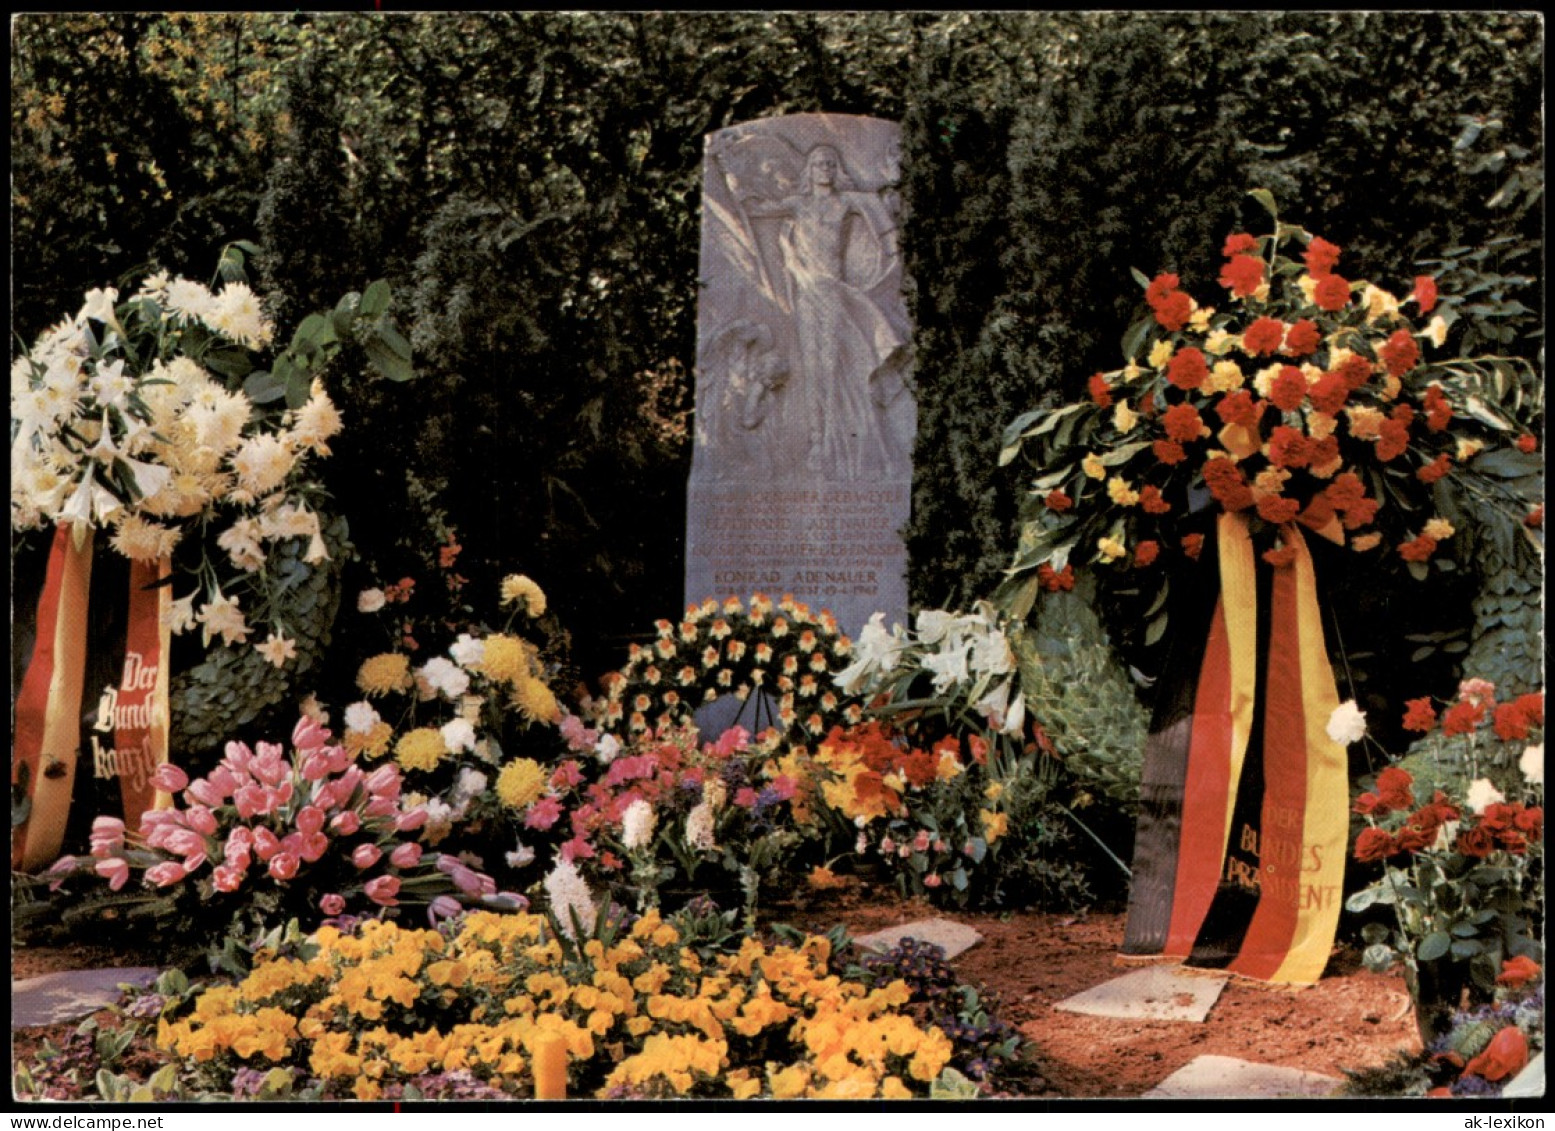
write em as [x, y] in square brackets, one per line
[801, 471]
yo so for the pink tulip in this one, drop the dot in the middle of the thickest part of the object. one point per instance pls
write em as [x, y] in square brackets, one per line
[345, 823]
[266, 844]
[310, 819]
[292, 842]
[381, 807]
[410, 820]
[116, 869]
[201, 820]
[61, 869]
[383, 890]
[932, 880]
[195, 862]
[309, 734]
[332, 904]
[206, 792]
[314, 845]
[920, 843]
[366, 855]
[315, 766]
[239, 856]
[227, 877]
[169, 778]
[165, 874]
[107, 828]
[242, 835]
[185, 842]
[238, 757]
[281, 794]
[407, 855]
[251, 801]
[384, 779]
[443, 907]
[339, 759]
[267, 766]
[283, 865]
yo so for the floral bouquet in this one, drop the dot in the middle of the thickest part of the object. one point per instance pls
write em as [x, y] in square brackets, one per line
[1462, 873]
[1311, 400]
[270, 835]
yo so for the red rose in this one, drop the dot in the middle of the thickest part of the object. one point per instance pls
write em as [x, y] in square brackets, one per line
[1279, 510]
[1263, 336]
[1332, 294]
[1374, 844]
[1240, 408]
[1173, 310]
[1151, 500]
[1182, 423]
[1416, 838]
[1320, 256]
[1168, 451]
[1530, 822]
[1058, 502]
[1280, 558]
[1243, 275]
[1425, 293]
[1237, 243]
[1369, 803]
[1330, 393]
[1101, 392]
[1288, 389]
[1187, 369]
[1302, 338]
[1399, 353]
[1528, 443]
[1420, 716]
[1506, 1055]
[1477, 842]
[1435, 470]
[1395, 787]
[1498, 816]
[1146, 552]
[1517, 971]
[1192, 545]
[1288, 447]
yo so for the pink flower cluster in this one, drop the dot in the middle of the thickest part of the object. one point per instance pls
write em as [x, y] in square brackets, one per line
[263, 814]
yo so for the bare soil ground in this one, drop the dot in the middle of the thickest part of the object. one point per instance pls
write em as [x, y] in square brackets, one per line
[1352, 1019]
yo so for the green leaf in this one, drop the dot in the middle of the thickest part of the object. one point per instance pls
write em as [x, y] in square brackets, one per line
[386, 360]
[1134, 337]
[1156, 630]
[1435, 945]
[394, 340]
[375, 300]
[1417, 570]
[1139, 276]
[1123, 453]
[1466, 948]
[1266, 198]
[1377, 958]
[958, 879]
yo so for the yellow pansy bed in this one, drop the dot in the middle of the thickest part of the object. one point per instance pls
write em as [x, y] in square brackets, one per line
[643, 1016]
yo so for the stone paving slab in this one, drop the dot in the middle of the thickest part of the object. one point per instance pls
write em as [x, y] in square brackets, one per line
[1152, 993]
[1226, 1077]
[71, 994]
[1527, 1084]
[956, 938]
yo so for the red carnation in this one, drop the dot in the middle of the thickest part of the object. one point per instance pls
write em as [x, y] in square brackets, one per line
[1160, 287]
[1302, 338]
[1462, 717]
[1320, 257]
[1369, 803]
[1168, 451]
[1425, 293]
[1182, 423]
[1359, 513]
[1330, 393]
[1280, 558]
[1146, 552]
[1374, 844]
[1054, 580]
[1517, 971]
[1511, 721]
[1531, 822]
[1243, 275]
[1393, 439]
[1277, 509]
[1240, 408]
[1345, 491]
[1288, 447]
[1237, 243]
[1172, 311]
[1058, 502]
[1101, 392]
[1192, 545]
[1438, 412]
[1324, 451]
[1527, 442]
[1226, 483]
[1420, 716]
[1399, 353]
[1263, 336]
[1332, 294]
[1151, 500]
[1187, 369]
[1532, 707]
[1435, 470]
[1535, 517]
[1356, 371]
[1288, 389]
[1418, 549]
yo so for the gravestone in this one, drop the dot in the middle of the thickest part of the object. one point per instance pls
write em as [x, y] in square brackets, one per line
[801, 470]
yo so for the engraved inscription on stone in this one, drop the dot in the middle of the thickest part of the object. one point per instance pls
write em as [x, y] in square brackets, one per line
[805, 421]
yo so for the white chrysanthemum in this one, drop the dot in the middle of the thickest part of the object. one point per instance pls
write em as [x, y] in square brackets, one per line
[468, 651]
[458, 735]
[189, 300]
[570, 898]
[361, 717]
[222, 617]
[1532, 764]
[700, 828]
[143, 541]
[370, 600]
[262, 463]
[217, 418]
[470, 783]
[607, 749]
[444, 677]
[317, 421]
[638, 824]
[1347, 724]
[237, 314]
[1482, 794]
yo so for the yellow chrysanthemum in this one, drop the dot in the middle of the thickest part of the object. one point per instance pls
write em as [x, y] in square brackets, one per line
[995, 825]
[373, 743]
[420, 749]
[386, 672]
[536, 701]
[516, 587]
[520, 783]
[506, 658]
